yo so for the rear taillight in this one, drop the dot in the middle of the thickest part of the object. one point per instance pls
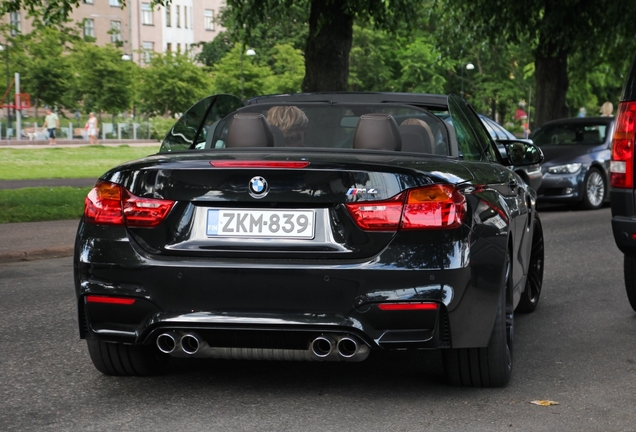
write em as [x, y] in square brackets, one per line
[112, 204]
[622, 164]
[378, 215]
[434, 207]
[428, 207]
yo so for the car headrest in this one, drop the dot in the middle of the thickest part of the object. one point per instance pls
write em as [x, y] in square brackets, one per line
[416, 139]
[377, 132]
[249, 130]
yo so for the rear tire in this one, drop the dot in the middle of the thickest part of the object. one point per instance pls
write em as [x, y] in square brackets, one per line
[490, 366]
[118, 359]
[594, 190]
[629, 262]
[532, 292]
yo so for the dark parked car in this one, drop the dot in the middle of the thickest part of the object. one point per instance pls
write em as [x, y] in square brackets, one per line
[312, 227]
[531, 174]
[577, 159]
[622, 181]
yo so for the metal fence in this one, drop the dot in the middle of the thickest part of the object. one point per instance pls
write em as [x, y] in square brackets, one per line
[33, 131]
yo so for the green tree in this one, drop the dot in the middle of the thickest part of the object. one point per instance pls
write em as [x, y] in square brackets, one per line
[102, 79]
[288, 70]
[556, 30]
[170, 84]
[227, 74]
[372, 60]
[45, 70]
[212, 52]
[330, 31]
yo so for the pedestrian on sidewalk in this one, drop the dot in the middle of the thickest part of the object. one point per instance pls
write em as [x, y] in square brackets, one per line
[91, 127]
[52, 122]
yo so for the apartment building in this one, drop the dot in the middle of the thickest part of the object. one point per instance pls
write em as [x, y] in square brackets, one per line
[139, 27]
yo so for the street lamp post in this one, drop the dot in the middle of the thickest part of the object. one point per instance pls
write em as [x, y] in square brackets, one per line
[5, 48]
[468, 66]
[249, 52]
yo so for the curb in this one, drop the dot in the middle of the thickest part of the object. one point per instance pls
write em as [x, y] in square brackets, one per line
[37, 254]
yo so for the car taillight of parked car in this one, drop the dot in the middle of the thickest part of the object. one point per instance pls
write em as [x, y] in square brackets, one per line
[430, 207]
[111, 204]
[622, 164]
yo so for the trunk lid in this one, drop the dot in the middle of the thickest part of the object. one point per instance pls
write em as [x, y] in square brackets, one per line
[293, 212]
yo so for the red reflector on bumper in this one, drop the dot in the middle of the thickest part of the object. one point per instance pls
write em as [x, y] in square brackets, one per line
[110, 300]
[407, 306]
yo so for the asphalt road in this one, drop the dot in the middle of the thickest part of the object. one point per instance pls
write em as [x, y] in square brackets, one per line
[577, 349]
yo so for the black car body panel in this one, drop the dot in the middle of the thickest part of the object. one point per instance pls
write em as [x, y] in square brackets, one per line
[530, 174]
[247, 291]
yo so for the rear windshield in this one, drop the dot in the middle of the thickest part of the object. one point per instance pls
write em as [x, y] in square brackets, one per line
[571, 134]
[384, 127]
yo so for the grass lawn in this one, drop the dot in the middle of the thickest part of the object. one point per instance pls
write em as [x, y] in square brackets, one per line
[42, 204]
[80, 162]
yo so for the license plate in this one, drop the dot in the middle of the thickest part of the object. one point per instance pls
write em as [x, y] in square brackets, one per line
[298, 224]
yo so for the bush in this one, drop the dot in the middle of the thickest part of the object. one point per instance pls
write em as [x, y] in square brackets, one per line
[159, 127]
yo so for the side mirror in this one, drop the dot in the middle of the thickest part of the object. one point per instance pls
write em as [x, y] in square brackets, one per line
[519, 153]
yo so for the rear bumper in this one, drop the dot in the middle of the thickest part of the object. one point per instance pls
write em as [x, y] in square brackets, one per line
[624, 220]
[250, 301]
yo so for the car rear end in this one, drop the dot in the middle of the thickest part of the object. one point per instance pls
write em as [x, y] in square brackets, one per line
[292, 254]
[623, 193]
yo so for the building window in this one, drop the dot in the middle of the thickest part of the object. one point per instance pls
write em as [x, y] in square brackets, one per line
[88, 1]
[185, 17]
[115, 31]
[148, 49]
[146, 14]
[208, 19]
[114, 3]
[16, 23]
[178, 47]
[168, 17]
[89, 27]
[178, 17]
[169, 47]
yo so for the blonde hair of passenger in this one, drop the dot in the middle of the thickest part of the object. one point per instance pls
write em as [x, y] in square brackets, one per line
[291, 120]
[607, 110]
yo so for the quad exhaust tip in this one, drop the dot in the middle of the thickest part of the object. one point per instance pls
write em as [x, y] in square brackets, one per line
[190, 344]
[322, 346]
[166, 343]
[347, 347]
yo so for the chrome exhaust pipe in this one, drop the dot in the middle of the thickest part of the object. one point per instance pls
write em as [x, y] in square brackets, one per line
[322, 346]
[347, 347]
[166, 343]
[190, 344]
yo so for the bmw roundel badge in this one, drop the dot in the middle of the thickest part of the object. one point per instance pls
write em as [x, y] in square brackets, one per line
[258, 187]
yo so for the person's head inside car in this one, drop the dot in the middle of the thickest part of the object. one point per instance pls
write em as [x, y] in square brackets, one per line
[292, 122]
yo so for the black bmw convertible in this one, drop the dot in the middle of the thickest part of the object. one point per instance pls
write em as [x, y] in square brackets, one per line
[318, 227]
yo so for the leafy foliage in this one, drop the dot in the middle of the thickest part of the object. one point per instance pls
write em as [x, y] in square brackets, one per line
[102, 80]
[171, 83]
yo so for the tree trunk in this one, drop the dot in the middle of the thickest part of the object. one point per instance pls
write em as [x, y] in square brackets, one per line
[328, 46]
[551, 73]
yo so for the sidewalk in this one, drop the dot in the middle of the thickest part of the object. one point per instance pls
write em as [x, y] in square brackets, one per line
[37, 240]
